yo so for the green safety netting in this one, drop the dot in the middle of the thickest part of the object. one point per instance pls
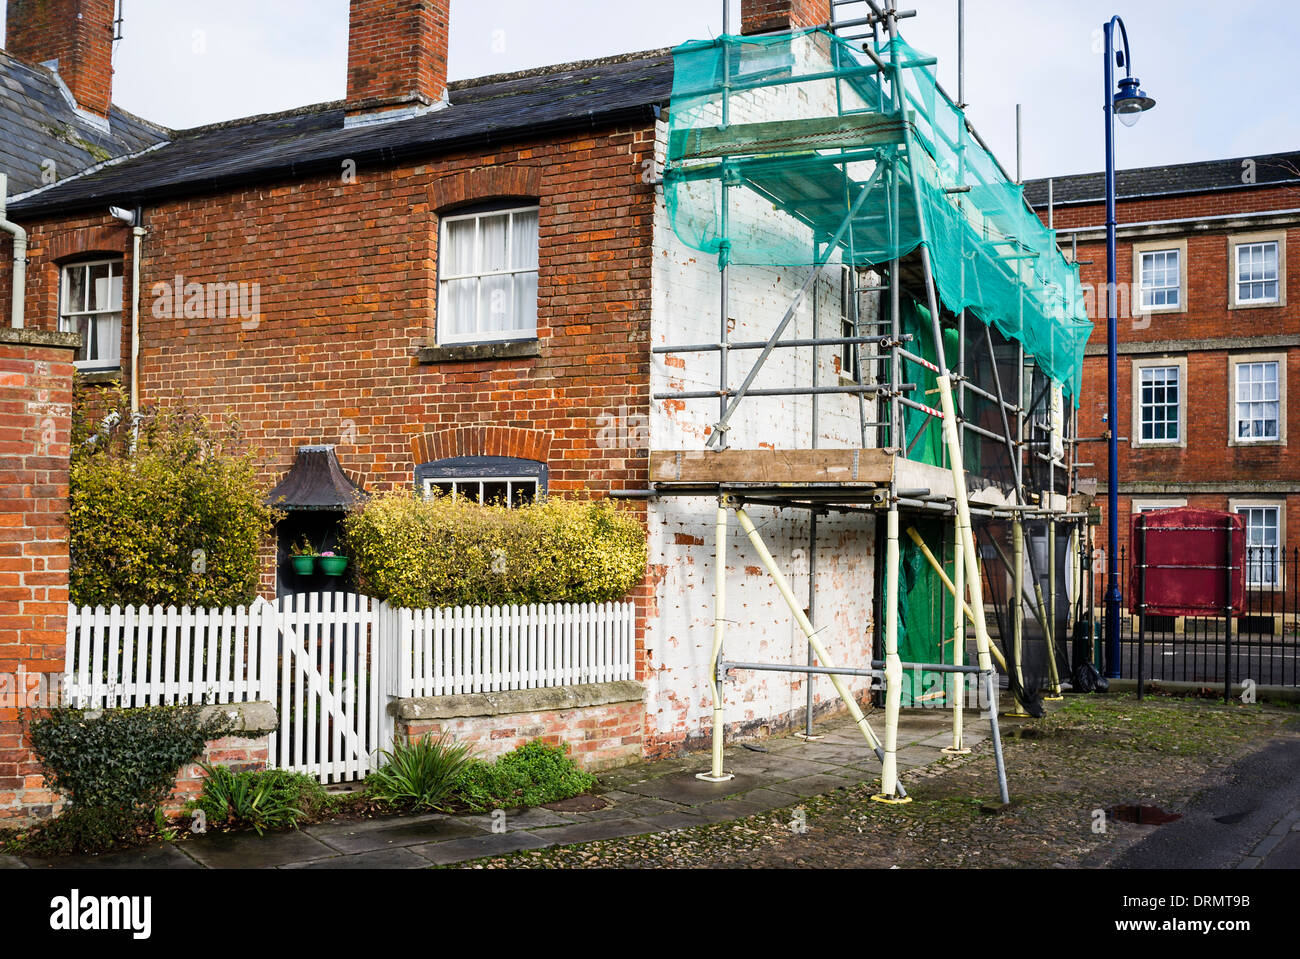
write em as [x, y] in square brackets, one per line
[801, 129]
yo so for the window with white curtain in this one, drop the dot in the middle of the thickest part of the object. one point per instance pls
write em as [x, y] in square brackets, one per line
[90, 303]
[1257, 279]
[487, 283]
[1258, 401]
[1160, 279]
[1263, 545]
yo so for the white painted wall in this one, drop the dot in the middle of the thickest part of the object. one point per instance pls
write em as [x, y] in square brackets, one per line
[685, 309]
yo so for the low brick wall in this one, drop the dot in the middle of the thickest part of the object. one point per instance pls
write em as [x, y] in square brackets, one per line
[603, 723]
[246, 747]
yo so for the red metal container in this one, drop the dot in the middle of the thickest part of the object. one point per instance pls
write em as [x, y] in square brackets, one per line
[1186, 556]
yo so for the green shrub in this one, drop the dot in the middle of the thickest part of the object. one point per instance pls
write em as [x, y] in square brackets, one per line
[115, 768]
[122, 757]
[163, 513]
[84, 830]
[452, 552]
[419, 774]
[262, 799]
[531, 775]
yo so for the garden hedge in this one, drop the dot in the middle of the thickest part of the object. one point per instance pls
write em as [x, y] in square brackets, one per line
[444, 551]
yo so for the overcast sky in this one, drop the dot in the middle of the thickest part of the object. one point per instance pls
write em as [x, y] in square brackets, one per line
[1221, 72]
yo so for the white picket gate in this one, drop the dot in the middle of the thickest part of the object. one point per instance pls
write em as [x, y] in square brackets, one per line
[331, 662]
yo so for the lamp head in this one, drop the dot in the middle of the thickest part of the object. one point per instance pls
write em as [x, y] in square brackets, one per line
[1131, 101]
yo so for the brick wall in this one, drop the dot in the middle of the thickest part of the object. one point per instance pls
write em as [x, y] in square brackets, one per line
[239, 753]
[36, 406]
[599, 737]
[1208, 471]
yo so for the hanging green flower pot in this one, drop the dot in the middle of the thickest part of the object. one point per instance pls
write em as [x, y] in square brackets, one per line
[304, 565]
[332, 565]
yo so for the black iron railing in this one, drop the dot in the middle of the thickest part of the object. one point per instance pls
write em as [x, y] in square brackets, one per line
[1263, 645]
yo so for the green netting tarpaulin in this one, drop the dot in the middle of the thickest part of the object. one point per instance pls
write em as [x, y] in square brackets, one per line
[801, 134]
[924, 617]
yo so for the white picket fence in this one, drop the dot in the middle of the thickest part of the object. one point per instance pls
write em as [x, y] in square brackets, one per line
[474, 649]
[330, 662]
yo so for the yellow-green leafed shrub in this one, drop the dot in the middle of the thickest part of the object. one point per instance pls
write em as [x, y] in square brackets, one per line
[160, 512]
[451, 552]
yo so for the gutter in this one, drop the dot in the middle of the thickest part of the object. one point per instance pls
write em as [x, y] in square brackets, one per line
[17, 309]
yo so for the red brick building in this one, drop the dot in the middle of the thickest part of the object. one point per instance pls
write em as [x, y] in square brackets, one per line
[445, 282]
[1208, 339]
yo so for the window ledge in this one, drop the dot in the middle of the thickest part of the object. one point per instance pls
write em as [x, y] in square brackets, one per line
[472, 352]
[100, 376]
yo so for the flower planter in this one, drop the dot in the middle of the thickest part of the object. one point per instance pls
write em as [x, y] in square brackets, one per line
[332, 565]
[304, 565]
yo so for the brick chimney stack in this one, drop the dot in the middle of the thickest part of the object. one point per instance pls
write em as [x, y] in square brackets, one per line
[397, 56]
[774, 16]
[76, 33]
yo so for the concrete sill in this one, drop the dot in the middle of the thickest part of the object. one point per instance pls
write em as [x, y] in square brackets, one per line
[477, 352]
[99, 377]
[33, 337]
[550, 699]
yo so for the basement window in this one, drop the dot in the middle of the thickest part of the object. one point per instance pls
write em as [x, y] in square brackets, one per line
[487, 284]
[490, 480]
[90, 303]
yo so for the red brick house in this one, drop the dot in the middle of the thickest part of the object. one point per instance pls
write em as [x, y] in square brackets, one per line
[1207, 339]
[446, 283]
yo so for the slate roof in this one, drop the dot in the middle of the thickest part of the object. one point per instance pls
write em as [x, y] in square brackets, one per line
[1203, 177]
[38, 123]
[491, 110]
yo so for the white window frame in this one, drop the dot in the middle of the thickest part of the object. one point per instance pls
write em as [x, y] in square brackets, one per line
[1235, 243]
[478, 334]
[1151, 505]
[1279, 566]
[1235, 362]
[1135, 435]
[1143, 250]
[480, 481]
[68, 317]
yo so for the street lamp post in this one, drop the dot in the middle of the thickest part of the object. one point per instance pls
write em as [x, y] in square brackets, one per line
[1128, 102]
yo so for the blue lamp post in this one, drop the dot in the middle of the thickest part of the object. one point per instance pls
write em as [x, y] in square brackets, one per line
[1127, 102]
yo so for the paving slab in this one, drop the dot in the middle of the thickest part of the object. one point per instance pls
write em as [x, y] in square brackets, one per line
[767, 799]
[477, 847]
[161, 856]
[807, 786]
[725, 810]
[686, 819]
[638, 807]
[359, 837]
[396, 858]
[250, 851]
[524, 819]
[685, 789]
[12, 862]
[593, 831]
[772, 768]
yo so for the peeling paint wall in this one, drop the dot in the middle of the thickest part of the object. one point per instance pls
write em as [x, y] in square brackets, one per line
[685, 310]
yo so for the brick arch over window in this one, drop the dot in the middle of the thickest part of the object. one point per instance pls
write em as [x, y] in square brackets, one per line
[88, 241]
[514, 441]
[485, 183]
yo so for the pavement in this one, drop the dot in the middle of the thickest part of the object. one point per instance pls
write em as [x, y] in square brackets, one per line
[1248, 819]
[643, 798]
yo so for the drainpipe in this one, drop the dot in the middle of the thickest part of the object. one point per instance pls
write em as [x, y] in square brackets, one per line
[134, 219]
[20, 258]
[137, 241]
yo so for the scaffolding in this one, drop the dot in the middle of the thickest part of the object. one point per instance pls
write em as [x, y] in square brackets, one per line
[836, 149]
